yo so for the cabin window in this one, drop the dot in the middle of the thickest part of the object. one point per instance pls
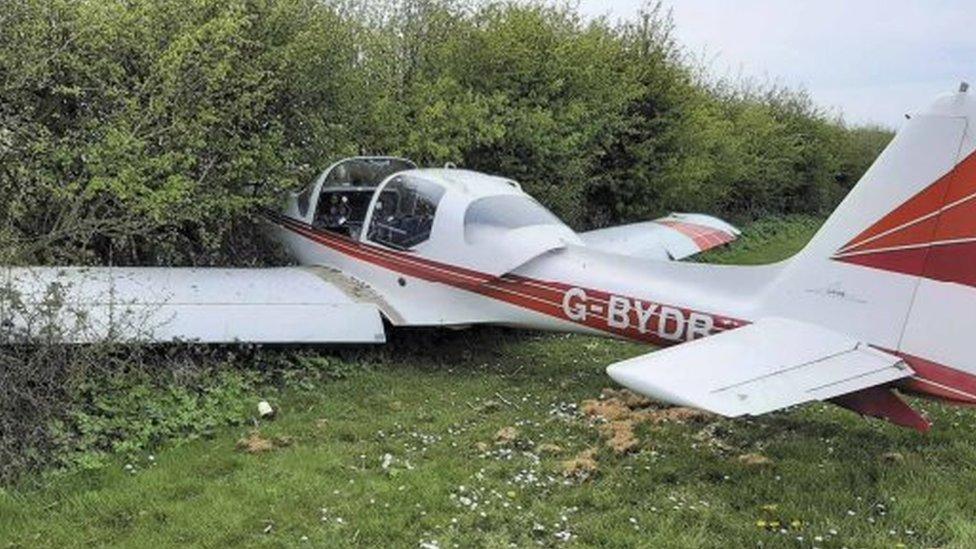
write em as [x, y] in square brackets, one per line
[506, 212]
[404, 212]
[342, 210]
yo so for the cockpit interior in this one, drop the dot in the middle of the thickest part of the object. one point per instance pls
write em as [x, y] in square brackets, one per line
[404, 212]
[347, 191]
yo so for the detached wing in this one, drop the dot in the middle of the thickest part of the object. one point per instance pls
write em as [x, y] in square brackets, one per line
[676, 236]
[207, 305]
[759, 368]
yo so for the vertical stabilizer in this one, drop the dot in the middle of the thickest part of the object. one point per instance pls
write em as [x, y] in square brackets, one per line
[895, 265]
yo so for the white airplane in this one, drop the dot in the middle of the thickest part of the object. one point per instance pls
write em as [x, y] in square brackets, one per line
[882, 299]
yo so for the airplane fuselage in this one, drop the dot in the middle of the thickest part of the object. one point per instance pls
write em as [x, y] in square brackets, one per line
[578, 290]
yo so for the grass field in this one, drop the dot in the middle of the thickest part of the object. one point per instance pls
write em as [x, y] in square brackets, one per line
[447, 439]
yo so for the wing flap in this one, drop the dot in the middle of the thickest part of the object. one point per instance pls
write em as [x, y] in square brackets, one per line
[759, 368]
[207, 305]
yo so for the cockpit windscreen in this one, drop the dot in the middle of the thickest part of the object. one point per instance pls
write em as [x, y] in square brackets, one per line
[364, 172]
[347, 191]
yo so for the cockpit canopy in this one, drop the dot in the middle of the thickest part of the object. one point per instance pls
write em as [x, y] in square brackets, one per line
[340, 197]
[461, 217]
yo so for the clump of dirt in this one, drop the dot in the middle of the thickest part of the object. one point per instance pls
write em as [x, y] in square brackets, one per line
[611, 409]
[755, 460]
[506, 435]
[254, 443]
[629, 398]
[618, 412]
[614, 405]
[619, 436]
[581, 467]
[679, 414]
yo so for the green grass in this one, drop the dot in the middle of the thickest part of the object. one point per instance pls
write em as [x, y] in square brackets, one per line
[766, 241]
[430, 398]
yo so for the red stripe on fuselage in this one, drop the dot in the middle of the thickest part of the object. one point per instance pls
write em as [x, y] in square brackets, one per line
[937, 380]
[546, 297]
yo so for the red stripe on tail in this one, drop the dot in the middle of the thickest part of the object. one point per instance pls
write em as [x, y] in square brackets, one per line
[932, 235]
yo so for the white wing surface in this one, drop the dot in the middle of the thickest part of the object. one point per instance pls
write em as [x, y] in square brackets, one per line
[676, 236]
[759, 368]
[207, 305]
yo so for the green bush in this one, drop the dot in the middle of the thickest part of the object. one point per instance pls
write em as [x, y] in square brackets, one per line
[147, 131]
[66, 408]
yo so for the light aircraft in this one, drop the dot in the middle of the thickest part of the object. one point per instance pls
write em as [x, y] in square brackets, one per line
[883, 298]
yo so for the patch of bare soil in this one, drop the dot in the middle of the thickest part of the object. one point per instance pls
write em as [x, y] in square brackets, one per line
[619, 436]
[581, 467]
[506, 435]
[254, 443]
[618, 412]
[611, 409]
[755, 460]
[679, 414]
[629, 398]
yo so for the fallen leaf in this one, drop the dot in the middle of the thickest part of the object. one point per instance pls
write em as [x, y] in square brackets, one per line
[489, 406]
[892, 457]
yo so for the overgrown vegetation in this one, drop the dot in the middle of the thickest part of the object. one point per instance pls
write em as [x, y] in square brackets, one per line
[74, 407]
[145, 131]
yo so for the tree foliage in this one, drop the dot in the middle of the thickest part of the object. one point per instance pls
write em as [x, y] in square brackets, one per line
[148, 131]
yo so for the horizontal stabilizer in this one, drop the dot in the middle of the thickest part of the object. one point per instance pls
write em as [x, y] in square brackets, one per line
[676, 236]
[759, 368]
[206, 305]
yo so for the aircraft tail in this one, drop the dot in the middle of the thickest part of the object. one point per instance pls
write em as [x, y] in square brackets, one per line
[895, 265]
[883, 296]
[894, 214]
